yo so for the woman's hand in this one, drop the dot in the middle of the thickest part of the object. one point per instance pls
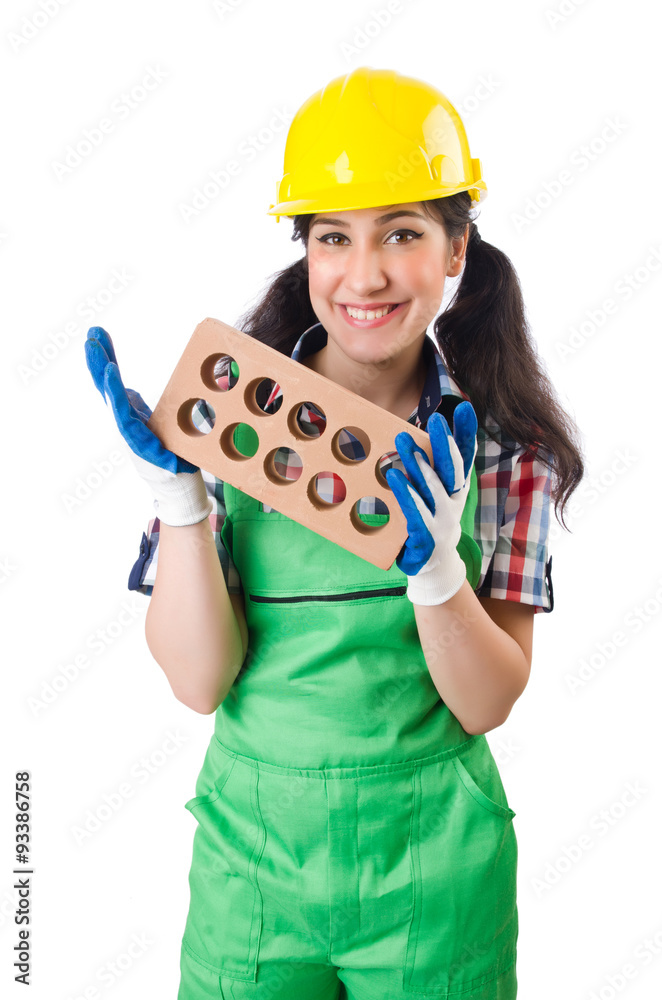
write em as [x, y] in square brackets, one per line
[178, 487]
[432, 501]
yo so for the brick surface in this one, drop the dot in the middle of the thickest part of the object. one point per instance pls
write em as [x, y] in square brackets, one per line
[376, 428]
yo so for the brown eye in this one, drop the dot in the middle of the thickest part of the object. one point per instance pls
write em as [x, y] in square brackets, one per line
[330, 236]
[405, 232]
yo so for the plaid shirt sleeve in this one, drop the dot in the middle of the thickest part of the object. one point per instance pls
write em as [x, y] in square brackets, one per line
[143, 573]
[512, 522]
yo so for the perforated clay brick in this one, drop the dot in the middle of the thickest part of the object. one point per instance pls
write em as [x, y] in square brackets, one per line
[204, 372]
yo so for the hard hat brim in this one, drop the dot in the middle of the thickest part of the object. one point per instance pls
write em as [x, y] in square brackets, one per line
[332, 203]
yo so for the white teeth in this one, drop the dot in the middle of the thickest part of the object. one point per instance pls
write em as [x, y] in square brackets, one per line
[369, 313]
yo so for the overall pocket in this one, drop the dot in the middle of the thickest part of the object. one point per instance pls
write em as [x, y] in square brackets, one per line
[224, 921]
[464, 926]
[480, 776]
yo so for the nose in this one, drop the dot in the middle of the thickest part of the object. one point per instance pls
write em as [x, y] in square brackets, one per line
[365, 271]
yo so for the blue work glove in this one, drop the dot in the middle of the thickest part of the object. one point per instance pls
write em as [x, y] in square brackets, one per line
[180, 494]
[432, 501]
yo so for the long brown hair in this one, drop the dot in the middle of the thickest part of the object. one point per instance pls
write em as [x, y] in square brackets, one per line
[483, 337]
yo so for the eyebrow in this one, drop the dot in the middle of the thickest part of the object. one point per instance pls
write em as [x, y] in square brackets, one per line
[378, 222]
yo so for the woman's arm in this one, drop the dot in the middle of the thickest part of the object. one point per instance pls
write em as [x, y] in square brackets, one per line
[195, 629]
[478, 652]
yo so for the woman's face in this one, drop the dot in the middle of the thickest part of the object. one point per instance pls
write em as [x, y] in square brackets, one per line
[370, 258]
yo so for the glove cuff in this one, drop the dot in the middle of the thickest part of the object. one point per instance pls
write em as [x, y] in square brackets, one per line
[180, 498]
[437, 584]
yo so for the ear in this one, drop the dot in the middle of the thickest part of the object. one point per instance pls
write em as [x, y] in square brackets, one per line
[458, 254]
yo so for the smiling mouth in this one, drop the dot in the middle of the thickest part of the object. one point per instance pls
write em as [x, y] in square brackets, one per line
[370, 313]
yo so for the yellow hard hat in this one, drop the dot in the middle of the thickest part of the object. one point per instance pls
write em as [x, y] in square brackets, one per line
[371, 138]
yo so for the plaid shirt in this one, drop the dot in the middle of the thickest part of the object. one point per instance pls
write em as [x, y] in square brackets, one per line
[512, 515]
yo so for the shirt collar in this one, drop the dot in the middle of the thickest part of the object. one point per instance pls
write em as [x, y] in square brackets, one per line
[438, 382]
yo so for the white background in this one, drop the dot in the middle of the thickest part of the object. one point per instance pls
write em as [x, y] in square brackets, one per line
[534, 82]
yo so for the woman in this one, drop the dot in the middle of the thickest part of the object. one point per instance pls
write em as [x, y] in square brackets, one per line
[354, 838]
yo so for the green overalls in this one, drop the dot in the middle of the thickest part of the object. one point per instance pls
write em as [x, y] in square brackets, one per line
[352, 839]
